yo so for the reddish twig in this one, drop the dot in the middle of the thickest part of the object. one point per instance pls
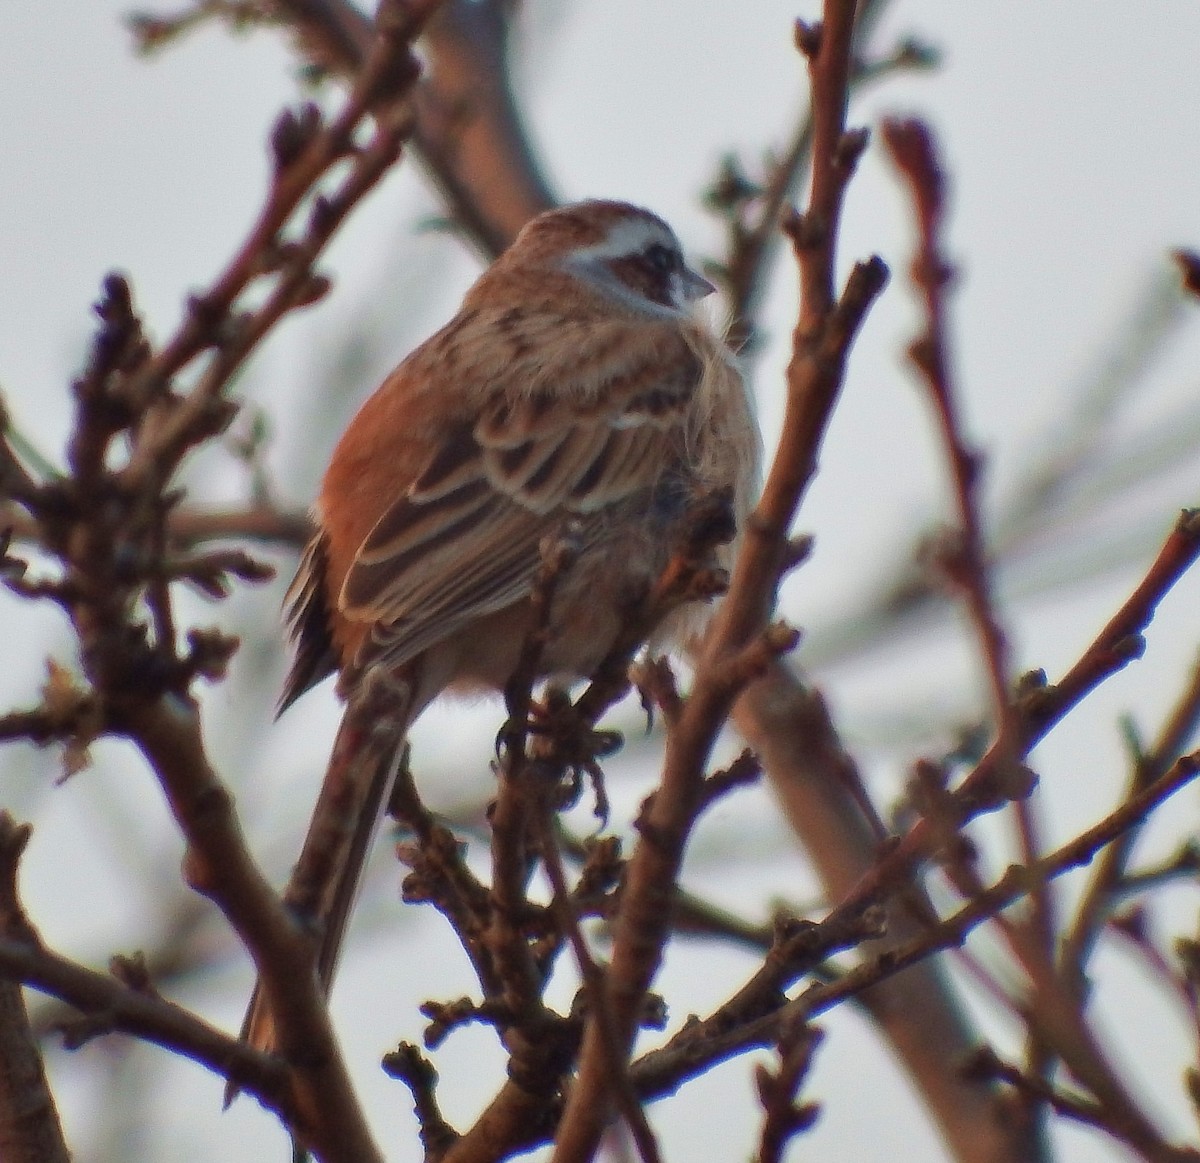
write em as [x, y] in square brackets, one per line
[407, 1064]
[961, 555]
[964, 559]
[304, 153]
[593, 977]
[468, 126]
[823, 337]
[1118, 643]
[777, 1090]
[1104, 886]
[754, 242]
[659, 1071]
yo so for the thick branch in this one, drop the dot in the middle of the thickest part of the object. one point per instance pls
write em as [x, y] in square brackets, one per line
[111, 1005]
[30, 1131]
[218, 864]
[816, 783]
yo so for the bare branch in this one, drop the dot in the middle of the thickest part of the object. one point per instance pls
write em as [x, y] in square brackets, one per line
[468, 129]
[30, 1131]
[1108, 881]
[777, 1091]
[823, 337]
[112, 1003]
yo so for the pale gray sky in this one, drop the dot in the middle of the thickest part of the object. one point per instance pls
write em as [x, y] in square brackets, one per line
[1069, 130]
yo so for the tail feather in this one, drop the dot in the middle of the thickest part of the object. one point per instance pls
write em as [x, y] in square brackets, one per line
[307, 616]
[326, 878]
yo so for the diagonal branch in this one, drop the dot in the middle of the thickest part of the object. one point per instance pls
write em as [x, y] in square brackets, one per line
[468, 127]
[122, 1001]
[823, 337]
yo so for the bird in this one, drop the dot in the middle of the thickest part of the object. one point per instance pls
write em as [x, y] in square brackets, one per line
[575, 383]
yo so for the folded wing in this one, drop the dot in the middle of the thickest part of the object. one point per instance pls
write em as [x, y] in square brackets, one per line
[464, 541]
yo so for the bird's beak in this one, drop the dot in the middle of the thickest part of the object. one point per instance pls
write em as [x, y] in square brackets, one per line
[695, 286]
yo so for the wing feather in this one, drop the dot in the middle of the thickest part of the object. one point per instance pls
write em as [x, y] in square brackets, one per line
[408, 543]
[453, 465]
[399, 641]
[464, 541]
[630, 456]
[307, 617]
[455, 579]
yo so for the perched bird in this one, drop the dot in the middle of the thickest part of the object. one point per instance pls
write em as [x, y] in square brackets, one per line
[574, 383]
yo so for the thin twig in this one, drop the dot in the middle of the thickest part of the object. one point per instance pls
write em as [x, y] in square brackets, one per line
[823, 336]
[593, 984]
[1108, 879]
[962, 557]
[785, 1117]
[658, 1071]
[755, 245]
[1117, 644]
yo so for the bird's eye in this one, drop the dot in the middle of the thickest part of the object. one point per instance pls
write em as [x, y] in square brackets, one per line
[660, 257]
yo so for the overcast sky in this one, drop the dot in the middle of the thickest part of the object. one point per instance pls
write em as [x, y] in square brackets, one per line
[1069, 129]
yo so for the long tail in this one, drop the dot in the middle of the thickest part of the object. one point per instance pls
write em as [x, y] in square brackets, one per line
[325, 881]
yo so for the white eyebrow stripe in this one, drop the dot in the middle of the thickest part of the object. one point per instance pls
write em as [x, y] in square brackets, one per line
[627, 237]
